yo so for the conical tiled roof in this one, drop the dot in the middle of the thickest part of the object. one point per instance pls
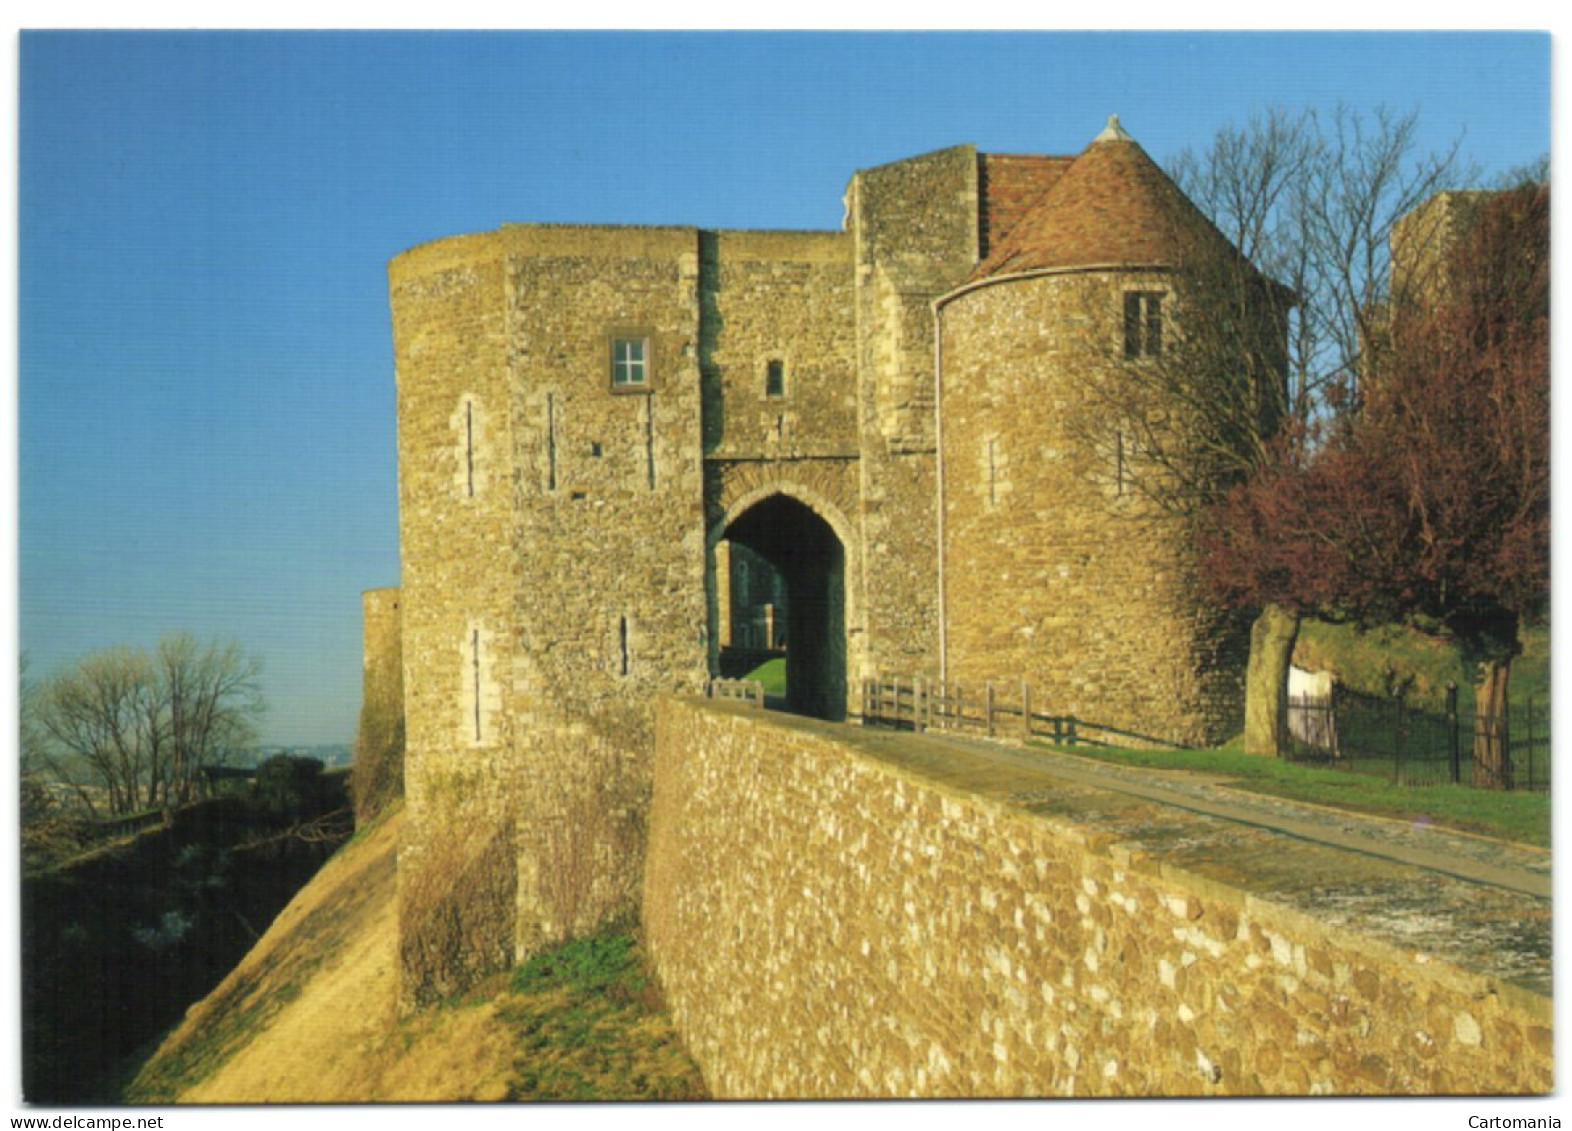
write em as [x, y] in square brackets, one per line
[1112, 206]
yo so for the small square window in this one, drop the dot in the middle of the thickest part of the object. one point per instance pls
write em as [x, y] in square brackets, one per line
[775, 378]
[630, 363]
[1143, 324]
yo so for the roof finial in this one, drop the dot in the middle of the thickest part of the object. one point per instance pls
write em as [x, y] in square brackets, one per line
[1113, 131]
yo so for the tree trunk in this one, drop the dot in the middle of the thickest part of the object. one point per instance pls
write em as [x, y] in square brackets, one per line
[1492, 758]
[1272, 640]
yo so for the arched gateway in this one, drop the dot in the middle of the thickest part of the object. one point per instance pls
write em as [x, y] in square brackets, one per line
[809, 558]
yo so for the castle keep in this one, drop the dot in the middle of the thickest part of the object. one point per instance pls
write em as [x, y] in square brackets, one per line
[590, 418]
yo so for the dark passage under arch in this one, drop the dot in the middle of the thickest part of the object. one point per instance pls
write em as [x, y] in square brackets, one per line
[805, 551]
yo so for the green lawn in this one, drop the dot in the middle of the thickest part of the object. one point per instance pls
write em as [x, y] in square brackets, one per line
[772, 674]
[1517, 816]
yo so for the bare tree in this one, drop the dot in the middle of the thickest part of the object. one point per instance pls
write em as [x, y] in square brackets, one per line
[210, 698]
[38, 800]
[1313, 204]
[126, 730]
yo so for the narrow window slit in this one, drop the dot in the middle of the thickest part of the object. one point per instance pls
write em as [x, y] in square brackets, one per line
[551, 442]
[469, 444]
[474, 646]
[649, 439]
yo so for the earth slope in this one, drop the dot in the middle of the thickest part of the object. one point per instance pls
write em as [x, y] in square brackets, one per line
[309, 1016]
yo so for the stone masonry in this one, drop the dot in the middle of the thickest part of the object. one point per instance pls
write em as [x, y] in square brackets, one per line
[840, 914]
[588, 416]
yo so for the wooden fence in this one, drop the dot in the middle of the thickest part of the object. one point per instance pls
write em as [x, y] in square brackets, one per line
[988, 710]
[745, 690]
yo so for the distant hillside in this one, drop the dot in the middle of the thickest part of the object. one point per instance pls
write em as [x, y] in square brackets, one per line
[332, 755]
[310, 1016]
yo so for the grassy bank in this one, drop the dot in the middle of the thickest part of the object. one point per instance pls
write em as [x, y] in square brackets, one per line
[310, 1015]
[1394, 658]
[1516, 816]
[591, 1026]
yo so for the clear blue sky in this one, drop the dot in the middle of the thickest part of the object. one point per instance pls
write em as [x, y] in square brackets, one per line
[206, 429]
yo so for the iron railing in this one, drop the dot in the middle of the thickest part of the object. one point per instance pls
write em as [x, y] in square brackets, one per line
[1418, 745]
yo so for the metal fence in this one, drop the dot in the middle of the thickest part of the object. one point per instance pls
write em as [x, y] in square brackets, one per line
[1415, 745]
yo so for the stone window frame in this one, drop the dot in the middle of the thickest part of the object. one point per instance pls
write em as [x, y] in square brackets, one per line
[1143, 324]
[646, 339]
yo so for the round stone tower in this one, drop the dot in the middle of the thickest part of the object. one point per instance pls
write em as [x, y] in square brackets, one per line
[1057, 569]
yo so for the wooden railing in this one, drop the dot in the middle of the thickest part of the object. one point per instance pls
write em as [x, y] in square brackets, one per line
[990, 709]
[744, 690]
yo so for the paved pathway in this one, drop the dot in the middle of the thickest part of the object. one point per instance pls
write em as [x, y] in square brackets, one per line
[1480, 903]
[1520, 868]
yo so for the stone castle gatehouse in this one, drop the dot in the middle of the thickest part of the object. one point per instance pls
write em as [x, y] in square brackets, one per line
[592, 418]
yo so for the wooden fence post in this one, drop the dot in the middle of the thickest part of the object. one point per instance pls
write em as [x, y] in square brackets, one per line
[988, 708]
[1026, 711]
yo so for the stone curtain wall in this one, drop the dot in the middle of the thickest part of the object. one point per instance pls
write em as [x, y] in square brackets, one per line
[828, 923]
[377, 777]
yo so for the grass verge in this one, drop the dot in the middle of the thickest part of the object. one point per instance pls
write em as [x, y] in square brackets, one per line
[1516, 816]
[591, 1026]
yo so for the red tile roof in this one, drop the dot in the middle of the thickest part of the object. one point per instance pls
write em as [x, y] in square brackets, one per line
[1009, 184]
[1112, 205]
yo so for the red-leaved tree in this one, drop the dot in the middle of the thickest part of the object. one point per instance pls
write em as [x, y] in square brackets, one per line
[1433, 504]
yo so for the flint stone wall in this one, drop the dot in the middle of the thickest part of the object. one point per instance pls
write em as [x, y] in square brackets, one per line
[829, 921]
